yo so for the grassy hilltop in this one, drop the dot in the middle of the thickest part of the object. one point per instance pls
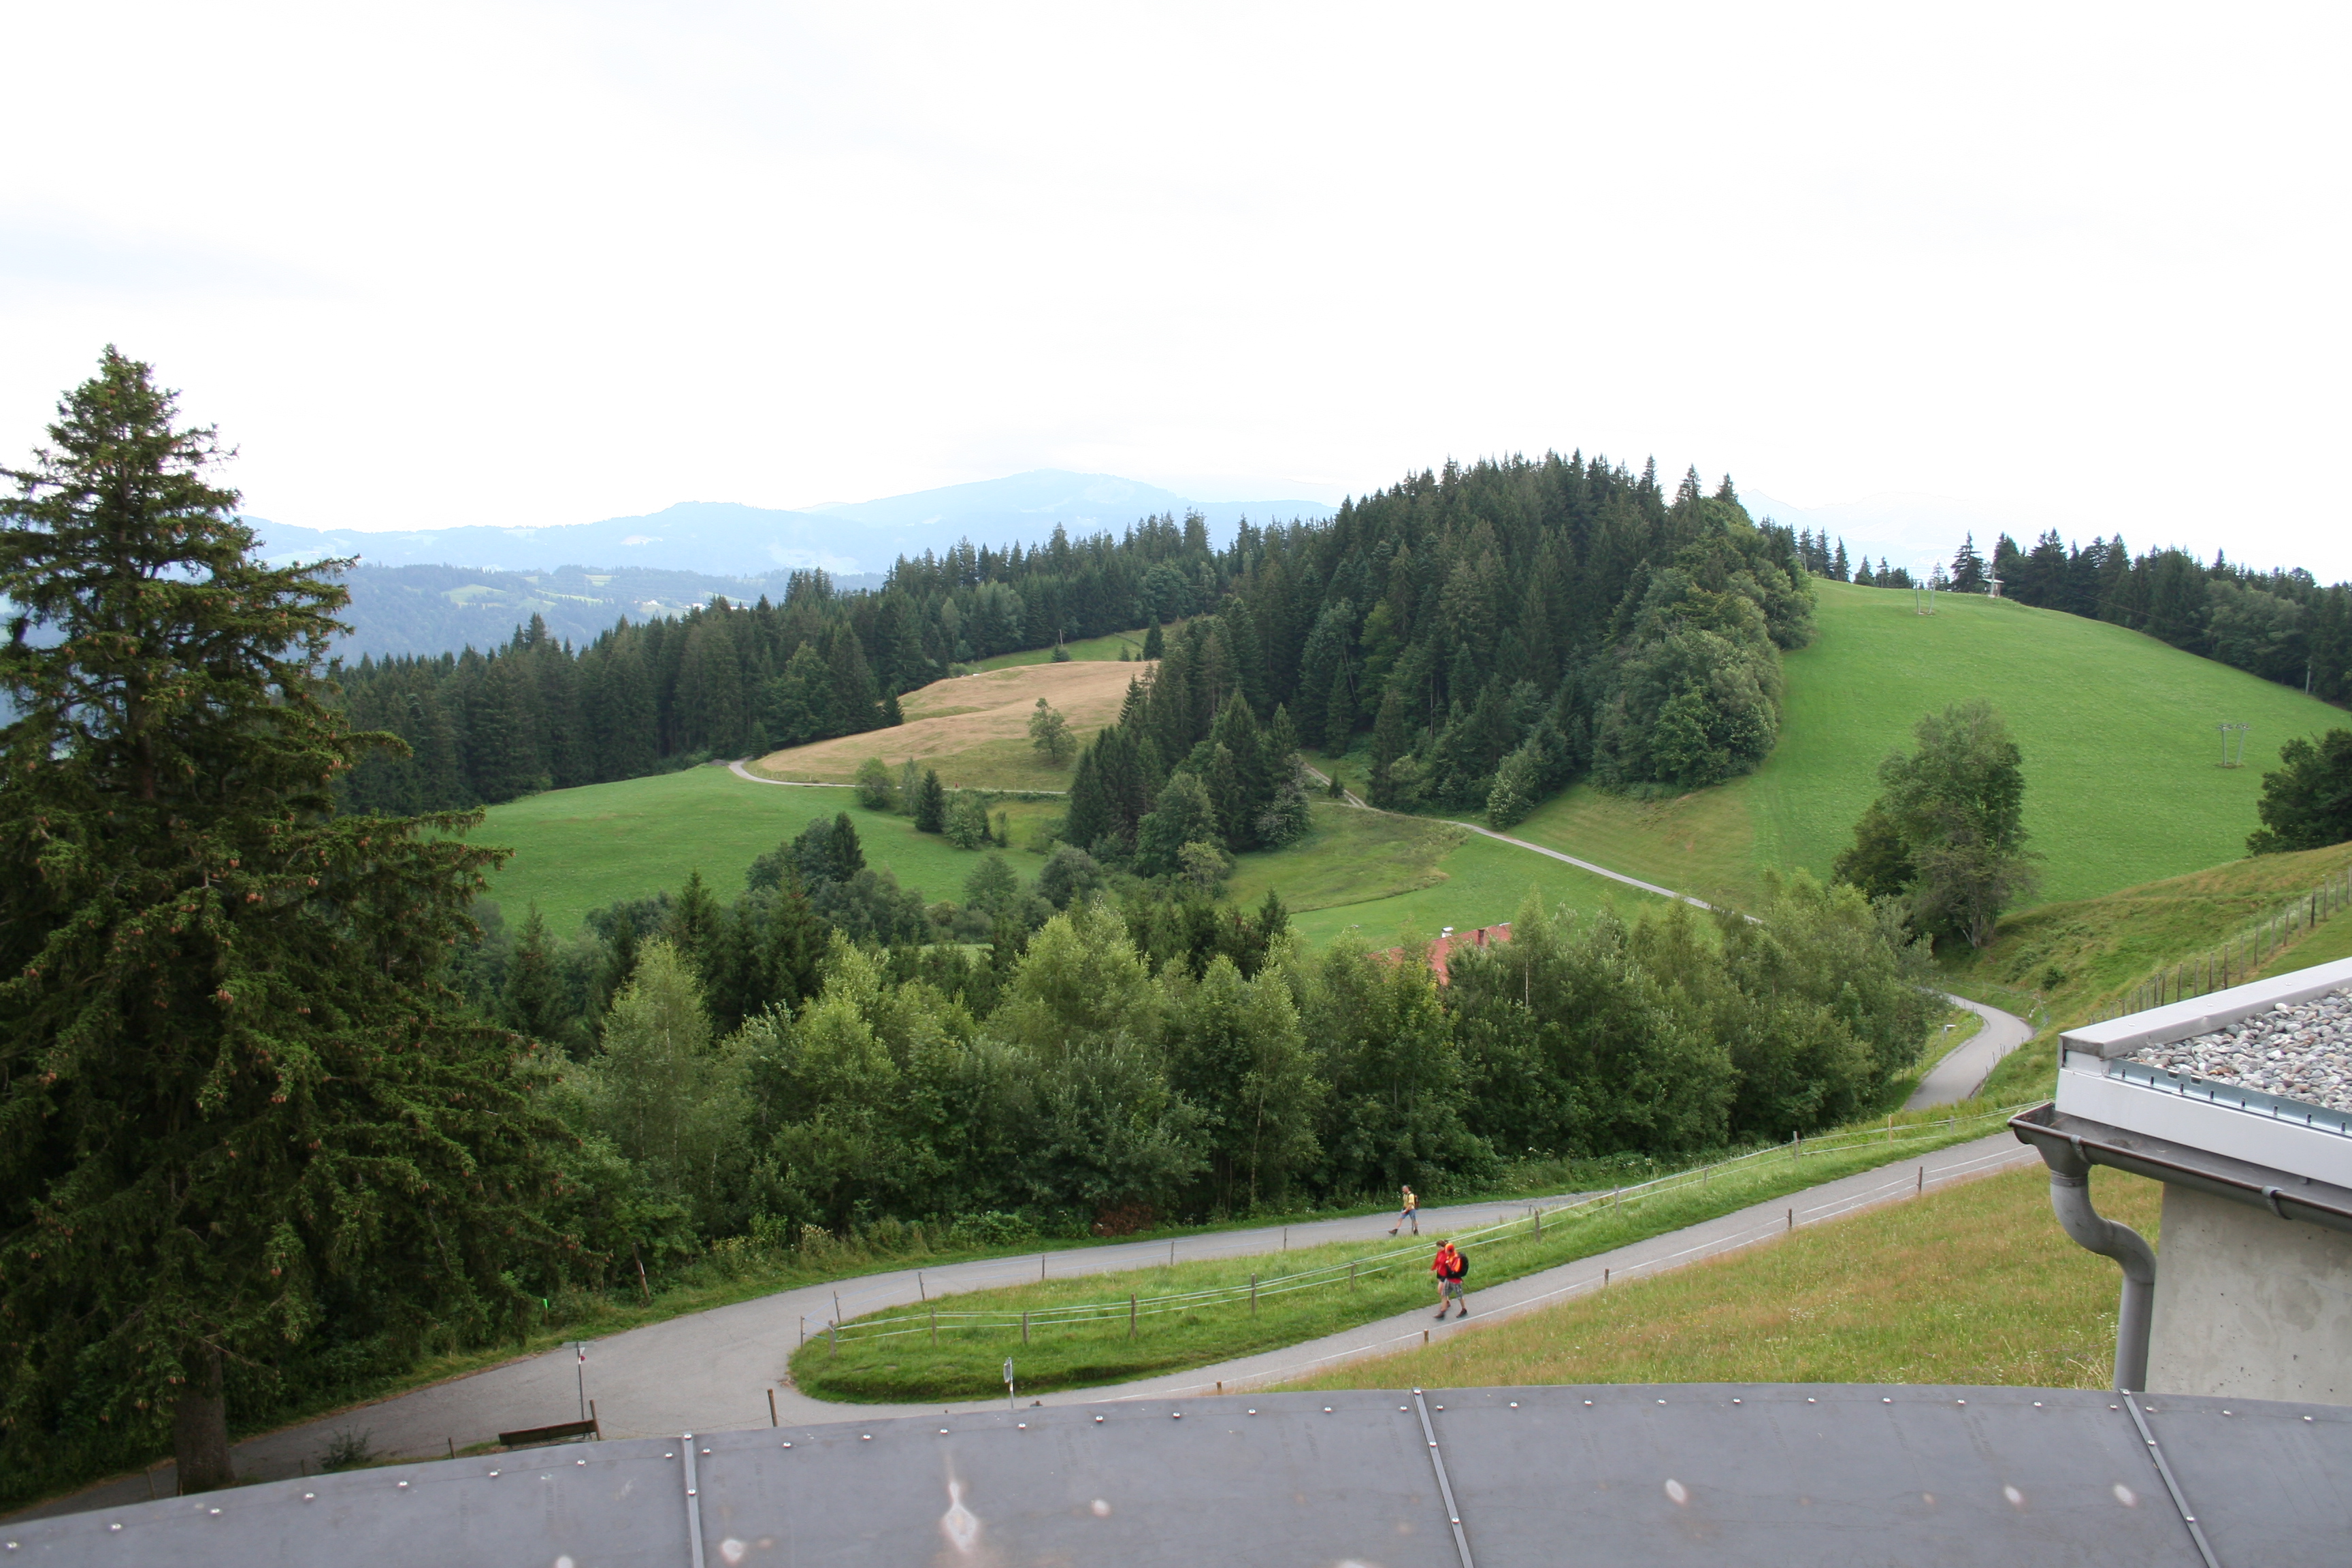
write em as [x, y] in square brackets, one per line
[2123, 785]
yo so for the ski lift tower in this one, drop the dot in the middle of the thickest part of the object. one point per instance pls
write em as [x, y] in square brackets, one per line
[1928, 579]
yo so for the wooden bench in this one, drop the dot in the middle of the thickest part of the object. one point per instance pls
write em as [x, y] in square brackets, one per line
[563, 1432]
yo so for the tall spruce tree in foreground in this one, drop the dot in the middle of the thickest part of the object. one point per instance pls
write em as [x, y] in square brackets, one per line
[237, 1107]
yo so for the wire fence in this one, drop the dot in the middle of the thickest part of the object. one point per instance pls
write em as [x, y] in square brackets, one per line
[2242, 957]
[935, 1320]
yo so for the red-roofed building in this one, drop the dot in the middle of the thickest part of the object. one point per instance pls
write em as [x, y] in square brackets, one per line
[1441, 949]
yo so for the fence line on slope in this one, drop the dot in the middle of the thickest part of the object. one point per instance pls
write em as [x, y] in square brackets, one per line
[933, 1320]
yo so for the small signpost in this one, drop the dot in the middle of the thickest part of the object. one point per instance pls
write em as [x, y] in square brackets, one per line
[1008, 1384]
[580, 1373]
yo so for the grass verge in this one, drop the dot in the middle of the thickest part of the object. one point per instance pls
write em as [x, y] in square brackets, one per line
[1081, 1332]
[1974, 1284]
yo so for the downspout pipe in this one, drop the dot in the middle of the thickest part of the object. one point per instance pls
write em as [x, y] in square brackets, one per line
[2070, 1197]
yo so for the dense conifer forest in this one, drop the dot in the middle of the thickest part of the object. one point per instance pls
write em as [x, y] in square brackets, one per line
[1504, 627]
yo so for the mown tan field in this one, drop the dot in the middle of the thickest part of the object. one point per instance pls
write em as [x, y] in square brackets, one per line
[973, 729]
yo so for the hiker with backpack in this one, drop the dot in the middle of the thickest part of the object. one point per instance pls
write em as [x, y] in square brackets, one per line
[1450, 1268]
[1410, 1212]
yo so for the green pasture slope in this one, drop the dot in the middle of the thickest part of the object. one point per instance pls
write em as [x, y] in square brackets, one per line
[1390, 879]
[2123, 781]
[579, 850]
[1109, 647]
[1381, 877]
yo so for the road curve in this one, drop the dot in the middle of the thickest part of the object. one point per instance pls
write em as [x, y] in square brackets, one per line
[1964, 1070]
[717, 1368]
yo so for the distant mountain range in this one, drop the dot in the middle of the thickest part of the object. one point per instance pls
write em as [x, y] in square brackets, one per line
[850, 540]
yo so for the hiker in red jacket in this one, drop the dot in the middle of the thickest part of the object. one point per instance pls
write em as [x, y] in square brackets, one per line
[1449, 1267]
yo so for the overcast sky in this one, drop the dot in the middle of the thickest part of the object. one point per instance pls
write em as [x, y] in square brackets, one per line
[2081, 266]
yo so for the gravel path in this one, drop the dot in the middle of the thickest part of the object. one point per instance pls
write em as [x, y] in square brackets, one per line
[2301, 1052]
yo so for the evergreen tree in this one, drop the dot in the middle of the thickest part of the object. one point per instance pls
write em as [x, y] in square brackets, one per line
[1088, 818]
[534, 996]
[1155, 645]
[242, 1108]
[1968, 568]
[694, 920]
[792, 954]
[931, 804]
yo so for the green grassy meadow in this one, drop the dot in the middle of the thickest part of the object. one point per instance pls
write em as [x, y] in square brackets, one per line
[1485, 884]
[1974, 1284]
[579, 849]
[2122, 785]
[1107, 646]
[899, 1361]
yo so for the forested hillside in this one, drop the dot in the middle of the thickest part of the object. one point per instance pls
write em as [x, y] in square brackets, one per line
[1499, 629]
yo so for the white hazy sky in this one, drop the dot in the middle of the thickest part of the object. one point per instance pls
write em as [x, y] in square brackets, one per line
[431, 264]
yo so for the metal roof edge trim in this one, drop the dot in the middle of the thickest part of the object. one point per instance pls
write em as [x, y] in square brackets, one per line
[2203, 1014]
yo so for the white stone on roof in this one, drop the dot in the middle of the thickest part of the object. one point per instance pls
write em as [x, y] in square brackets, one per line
[2301, 1051]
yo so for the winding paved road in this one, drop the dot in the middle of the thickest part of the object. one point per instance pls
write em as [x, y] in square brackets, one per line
[718, 1369]
[1964, 1068]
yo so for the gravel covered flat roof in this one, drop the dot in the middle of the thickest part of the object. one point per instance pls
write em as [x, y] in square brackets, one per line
[2301, 1051]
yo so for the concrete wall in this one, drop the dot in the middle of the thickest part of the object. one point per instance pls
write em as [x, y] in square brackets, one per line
[2250, 1305]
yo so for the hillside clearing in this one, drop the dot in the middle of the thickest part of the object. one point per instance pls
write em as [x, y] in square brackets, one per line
[973, 729]
[1349, 857]
[1107, 647]
[1482, 883]
[579, 849]
[2105, 716]
[1975, 1284]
